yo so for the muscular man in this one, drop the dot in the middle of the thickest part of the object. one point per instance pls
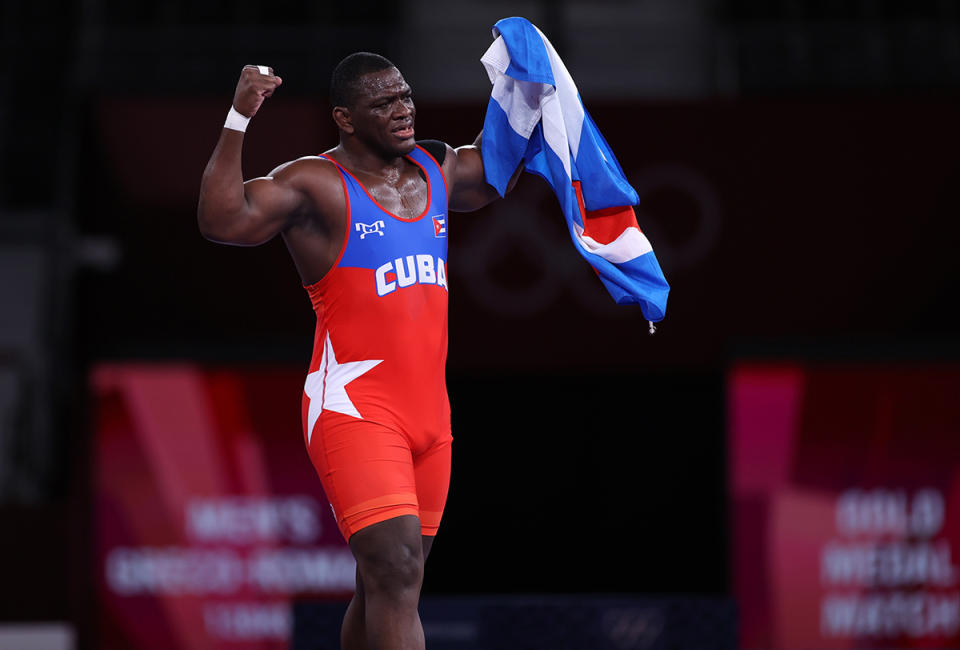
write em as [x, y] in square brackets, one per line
[366, 226]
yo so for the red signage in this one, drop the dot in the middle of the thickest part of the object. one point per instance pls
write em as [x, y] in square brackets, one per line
[210, 518]
[846, 492]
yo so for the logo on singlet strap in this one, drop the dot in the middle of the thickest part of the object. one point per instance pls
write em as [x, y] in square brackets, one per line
[370, 228]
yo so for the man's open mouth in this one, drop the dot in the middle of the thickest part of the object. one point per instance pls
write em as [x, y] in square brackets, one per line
[404, 131]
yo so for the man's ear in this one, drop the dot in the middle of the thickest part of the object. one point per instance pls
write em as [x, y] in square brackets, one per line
[341, 115]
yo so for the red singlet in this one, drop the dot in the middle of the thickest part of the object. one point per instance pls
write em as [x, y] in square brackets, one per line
[376, 418]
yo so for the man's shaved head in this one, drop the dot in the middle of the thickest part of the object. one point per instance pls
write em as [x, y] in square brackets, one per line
[344, 82]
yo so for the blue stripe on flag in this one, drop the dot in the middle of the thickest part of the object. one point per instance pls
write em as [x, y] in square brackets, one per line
[529, 60]
[510, 146]
[635, 282]
[604, 183]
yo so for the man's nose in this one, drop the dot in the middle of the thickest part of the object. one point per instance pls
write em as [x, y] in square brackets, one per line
[400, 108]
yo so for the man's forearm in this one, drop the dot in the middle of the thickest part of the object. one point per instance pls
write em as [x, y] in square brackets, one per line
[222, 208]
[516, 174]
[222, 197]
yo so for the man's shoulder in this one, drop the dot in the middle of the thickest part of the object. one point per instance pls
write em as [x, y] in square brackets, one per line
[307, 171]
[435, 148]
[306, 164]
[315, 178]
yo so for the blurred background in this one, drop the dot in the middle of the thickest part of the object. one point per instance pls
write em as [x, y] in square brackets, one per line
[762, 469]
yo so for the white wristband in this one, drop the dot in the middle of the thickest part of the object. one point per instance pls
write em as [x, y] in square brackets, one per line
[236, 121]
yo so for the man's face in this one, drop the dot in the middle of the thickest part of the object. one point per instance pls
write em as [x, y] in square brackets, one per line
[383, 112]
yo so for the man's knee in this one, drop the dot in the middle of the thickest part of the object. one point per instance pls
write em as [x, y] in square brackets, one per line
[390, 555]
[397, 568]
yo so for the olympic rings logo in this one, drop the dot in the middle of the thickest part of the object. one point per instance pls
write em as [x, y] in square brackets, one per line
[521, 224]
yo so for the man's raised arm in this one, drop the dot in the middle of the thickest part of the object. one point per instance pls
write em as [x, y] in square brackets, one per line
[230, 211]
[470, 189]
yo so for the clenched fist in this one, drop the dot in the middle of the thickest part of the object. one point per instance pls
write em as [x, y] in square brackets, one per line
[254, 86]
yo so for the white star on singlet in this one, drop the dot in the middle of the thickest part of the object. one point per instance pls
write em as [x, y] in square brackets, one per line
[326, 386]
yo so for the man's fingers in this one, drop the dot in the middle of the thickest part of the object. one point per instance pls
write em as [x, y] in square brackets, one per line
[257, 83]
[264, 70]
[267, 87]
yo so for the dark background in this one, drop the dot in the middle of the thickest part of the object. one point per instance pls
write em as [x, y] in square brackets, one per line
[798, 171]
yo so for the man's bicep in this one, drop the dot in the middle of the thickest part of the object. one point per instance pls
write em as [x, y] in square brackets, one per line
[469, 166]
[306, 188]
[251, 216]
[270, 204]
[470, 188]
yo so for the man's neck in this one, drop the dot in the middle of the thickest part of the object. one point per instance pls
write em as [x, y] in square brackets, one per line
[363, 159]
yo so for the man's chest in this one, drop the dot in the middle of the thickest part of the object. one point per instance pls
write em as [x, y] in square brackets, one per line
[405, 197]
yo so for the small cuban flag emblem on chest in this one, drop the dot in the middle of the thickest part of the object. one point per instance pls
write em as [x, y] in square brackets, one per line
[440, 226]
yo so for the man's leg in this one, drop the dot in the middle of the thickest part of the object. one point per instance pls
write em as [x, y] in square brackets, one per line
[353, 635]
[432, 478]
[390, 563]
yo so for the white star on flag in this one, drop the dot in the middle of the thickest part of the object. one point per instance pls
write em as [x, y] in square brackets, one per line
[326, 386]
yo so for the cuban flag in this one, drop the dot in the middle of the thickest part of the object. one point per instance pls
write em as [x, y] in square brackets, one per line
[535, 115]
[439, 226]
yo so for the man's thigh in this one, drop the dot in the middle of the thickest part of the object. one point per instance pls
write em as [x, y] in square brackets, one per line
[367, 472]
[432, 475]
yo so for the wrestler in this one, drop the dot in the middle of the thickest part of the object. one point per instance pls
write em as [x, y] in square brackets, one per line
[366, 225]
